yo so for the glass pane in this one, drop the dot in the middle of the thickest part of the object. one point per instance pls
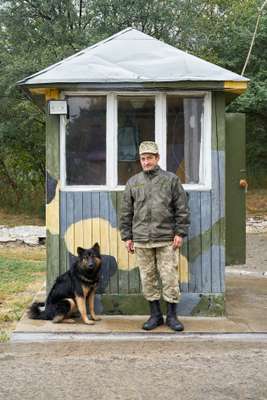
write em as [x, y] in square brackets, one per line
[136, 123]
[86, 141]
[184, 127]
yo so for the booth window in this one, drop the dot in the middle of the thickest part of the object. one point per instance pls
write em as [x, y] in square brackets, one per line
[86, 141]
[184, 128]
[136, 123]
[102, 133]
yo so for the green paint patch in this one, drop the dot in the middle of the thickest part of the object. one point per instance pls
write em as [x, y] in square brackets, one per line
[211, 237]
[129, 281]
[113, 198]
[124, 305]
[210, 306]
[120, 304]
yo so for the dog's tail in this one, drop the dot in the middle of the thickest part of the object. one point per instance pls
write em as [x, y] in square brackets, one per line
[34, 311]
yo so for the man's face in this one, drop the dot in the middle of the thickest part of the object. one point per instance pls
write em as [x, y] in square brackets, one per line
[149, 161]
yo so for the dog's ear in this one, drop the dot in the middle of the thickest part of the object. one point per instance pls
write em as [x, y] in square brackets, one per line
[96, 247]
[80, 251]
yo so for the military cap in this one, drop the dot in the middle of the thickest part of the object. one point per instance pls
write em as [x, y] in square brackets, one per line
[148, 147]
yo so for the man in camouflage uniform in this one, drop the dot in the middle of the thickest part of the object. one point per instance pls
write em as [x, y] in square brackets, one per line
[154, 219]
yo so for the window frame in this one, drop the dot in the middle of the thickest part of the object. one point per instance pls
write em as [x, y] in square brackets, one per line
[160, 138]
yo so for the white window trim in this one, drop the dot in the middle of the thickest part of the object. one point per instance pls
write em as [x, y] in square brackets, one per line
[161, 128]
[160, 138]
[62, 141]
[111, 142]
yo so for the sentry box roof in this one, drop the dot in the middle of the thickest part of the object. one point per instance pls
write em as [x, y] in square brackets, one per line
[133, 57]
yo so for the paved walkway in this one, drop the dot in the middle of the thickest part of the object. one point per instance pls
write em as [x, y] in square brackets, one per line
[246, 313]
[246, 309]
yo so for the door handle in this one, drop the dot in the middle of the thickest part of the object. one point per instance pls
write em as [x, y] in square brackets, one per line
[243, 184]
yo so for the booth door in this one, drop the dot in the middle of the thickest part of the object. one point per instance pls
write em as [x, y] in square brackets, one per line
[235, 189]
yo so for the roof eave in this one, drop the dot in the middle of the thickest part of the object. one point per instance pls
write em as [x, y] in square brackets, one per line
[52, 88]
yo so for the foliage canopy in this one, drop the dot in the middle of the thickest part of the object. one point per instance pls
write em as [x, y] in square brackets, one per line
[37, 33]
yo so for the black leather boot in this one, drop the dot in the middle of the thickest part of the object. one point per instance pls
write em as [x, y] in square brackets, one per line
[156, 318]
[171, 319]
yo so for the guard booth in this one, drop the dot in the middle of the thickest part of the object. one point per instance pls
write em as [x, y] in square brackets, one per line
[100, 104]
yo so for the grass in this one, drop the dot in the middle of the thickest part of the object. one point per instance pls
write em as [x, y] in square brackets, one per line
[12, 219]
[17, 275]
[20, 280]
[22, 271]
[28, 253]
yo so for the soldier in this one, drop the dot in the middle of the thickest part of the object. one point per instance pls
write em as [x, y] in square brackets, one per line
[153, 222]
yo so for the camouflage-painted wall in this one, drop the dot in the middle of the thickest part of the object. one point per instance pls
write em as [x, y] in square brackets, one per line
[82, 218]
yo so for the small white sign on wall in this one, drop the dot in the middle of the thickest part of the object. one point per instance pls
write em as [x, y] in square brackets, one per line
[57, 107]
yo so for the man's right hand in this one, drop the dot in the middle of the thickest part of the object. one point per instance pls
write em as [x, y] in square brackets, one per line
[130, 246]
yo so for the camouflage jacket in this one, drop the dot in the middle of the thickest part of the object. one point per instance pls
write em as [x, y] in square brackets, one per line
[154, 207]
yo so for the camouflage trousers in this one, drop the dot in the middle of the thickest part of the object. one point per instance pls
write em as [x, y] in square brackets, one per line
[159, 264]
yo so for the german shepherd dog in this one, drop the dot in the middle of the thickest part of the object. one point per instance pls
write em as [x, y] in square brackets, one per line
[72, 289]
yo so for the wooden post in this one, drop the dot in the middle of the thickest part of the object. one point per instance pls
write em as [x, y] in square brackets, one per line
[52, 198]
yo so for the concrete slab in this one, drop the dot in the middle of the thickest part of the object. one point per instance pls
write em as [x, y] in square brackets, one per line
[133, 324]
[138, 337]
[246, 302]
[246, 312]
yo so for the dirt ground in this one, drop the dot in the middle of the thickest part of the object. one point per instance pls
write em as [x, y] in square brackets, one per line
[256, 253]
[202, 370]
[256, 257]
[256, 202]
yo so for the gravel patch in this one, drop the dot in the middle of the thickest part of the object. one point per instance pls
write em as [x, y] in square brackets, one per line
[256, 224]
[31, 235]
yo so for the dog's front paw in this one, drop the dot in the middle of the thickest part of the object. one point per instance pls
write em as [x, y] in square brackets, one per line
[95, 318]
[89, 322]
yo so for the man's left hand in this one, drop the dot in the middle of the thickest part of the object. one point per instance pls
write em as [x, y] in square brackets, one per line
[177, 242]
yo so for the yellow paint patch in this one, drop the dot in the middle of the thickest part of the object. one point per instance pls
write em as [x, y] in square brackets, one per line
[52, 213]
[86, 232]
[235, 86]
[183, 269]
[50, 94]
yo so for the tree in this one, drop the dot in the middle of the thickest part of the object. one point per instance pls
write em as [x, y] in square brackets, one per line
[38, 33]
